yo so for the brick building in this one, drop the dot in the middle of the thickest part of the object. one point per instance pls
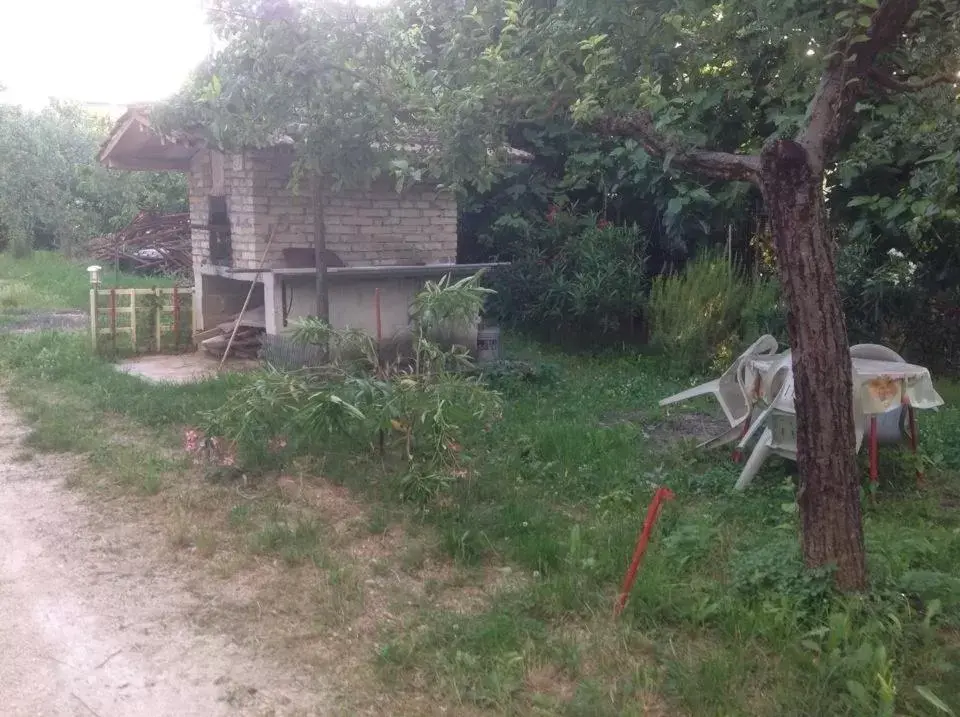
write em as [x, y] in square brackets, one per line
[375, 239]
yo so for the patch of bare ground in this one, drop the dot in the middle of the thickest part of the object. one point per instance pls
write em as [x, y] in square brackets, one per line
[97, 621]
[680, 426]
[325, 615]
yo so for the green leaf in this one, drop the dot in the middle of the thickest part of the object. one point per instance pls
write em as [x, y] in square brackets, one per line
[935, 701]
[872, 4]
[859, 692]
[939, 157]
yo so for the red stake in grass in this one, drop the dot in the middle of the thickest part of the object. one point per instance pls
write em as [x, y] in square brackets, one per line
[653, 512]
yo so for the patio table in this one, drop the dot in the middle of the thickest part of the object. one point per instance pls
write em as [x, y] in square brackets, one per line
[878, 387]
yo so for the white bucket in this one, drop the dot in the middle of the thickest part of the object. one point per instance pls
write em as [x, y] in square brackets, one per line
[488, 344]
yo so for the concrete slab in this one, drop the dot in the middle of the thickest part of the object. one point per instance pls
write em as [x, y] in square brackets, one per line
[179, 368]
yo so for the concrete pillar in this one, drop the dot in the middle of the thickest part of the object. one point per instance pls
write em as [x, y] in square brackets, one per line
[272, 303]
[197, 299]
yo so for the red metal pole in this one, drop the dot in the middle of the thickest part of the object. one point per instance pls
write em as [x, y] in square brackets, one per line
[874, 450]
[176, 319]
[113, 318]
[376, 301]
[653, 512]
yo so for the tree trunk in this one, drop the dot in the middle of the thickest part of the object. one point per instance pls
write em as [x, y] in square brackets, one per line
[320, 250]
[829, 493]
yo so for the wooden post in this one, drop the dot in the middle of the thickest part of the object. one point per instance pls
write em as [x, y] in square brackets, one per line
[94, 319]
[113, 318]
[176, 319]
[133, 319]
[156, 317]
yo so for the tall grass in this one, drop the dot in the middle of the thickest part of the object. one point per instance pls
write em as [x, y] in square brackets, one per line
[48, 280]
[709, 310]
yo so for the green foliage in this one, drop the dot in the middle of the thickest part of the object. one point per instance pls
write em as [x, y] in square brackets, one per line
[515, 375]
[337, 82]
[444, 308]
[723, 618]
[54, 193]
[710, 310]
[417, 411]
[899, 302]
[571, 279]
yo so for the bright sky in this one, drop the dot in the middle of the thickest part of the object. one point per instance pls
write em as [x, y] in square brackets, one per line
[107, 51]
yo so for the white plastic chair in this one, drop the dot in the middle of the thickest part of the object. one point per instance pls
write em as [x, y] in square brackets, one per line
[729, 389]
[780, 382]
[779, 434]
[875, 352]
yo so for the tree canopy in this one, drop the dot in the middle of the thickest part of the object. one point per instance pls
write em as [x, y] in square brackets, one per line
[353, 88]
[54, 193]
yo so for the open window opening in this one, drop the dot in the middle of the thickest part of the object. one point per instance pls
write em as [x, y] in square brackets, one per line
[221, 250]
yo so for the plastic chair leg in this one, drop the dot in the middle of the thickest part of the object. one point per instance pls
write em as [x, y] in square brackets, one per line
[756, 459]
[729, 435]
[874, 452]
[712, 387]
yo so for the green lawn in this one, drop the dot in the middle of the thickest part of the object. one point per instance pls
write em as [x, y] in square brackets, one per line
[723, 619]
[48, 281]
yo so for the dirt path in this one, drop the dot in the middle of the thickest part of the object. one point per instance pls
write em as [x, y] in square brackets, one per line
[92, 624]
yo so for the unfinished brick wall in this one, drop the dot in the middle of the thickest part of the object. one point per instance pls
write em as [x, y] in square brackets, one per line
[226, 176]
[375, 227]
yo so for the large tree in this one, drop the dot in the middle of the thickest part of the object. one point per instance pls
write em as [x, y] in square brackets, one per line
[789, 77]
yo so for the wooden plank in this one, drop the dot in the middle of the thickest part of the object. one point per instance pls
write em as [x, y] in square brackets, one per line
[113, 318]
[93, 318]
[156, 318]
[204, 335]
[133, 320]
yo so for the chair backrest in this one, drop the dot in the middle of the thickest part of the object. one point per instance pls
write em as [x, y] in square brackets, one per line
[731, 383]
[875, 352]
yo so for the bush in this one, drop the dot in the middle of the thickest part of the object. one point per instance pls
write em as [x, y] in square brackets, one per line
[417, 411]
[573, 278]
[709, 311]
[892, 300]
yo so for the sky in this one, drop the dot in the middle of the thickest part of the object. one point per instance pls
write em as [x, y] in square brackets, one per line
[115, 52]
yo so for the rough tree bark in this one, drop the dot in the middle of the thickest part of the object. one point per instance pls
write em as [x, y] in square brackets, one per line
[829, 492]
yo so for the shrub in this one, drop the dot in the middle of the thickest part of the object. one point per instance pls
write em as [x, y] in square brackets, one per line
[418, 411]
[709, 311]
[910, 306]
[573, 278]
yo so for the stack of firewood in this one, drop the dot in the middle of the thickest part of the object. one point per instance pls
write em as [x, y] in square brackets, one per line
[151, 244]
[246, 343]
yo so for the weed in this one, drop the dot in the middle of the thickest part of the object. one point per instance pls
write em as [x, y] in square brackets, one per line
[295, 541]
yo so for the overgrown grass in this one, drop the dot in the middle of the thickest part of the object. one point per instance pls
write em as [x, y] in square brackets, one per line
[723, 619]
